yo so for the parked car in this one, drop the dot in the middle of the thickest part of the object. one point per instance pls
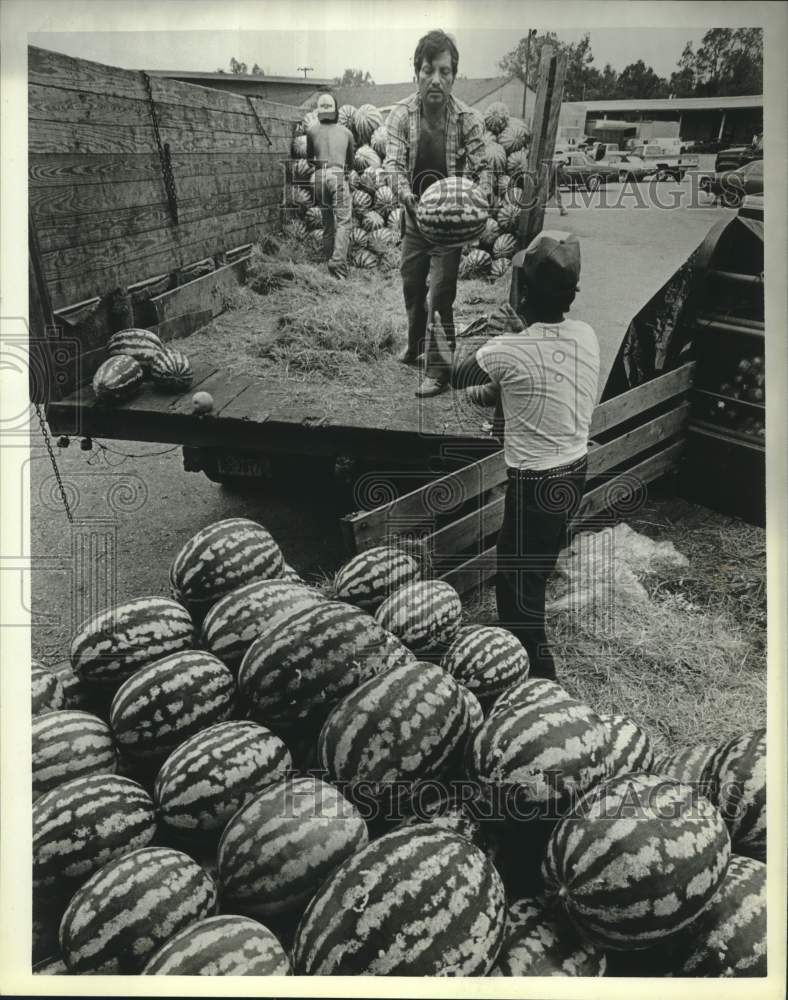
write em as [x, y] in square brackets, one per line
[630, 168]
[579, 170]
[665, 163]
[737, 156]
[731, 186]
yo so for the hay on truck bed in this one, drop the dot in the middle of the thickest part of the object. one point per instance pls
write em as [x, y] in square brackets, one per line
[332, 344]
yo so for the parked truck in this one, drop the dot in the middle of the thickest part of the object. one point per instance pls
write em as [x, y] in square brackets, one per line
[668, 163]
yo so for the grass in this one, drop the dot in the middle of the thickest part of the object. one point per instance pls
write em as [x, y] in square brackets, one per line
[689, 666]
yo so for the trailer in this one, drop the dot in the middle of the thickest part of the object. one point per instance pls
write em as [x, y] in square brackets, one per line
[438, 478]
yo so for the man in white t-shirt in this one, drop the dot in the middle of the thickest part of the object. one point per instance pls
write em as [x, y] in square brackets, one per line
[546, 368]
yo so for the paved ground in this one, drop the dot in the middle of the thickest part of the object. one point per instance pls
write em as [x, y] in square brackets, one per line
[132, 515]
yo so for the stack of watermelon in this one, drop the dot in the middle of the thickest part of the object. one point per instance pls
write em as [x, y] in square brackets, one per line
[132, 356]
[180, 827]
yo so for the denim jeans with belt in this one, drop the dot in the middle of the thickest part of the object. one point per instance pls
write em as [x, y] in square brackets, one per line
[333, 196]
[537, 509]
[421, 258]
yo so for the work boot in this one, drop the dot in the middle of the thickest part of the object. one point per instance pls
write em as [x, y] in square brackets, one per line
[431, 387]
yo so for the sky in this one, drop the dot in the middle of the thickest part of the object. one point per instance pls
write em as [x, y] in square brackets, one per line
[386, 52]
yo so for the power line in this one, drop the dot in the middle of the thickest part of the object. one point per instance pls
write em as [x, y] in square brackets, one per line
[305, 70]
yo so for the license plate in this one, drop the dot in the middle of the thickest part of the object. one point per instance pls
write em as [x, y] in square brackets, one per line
[240, 465]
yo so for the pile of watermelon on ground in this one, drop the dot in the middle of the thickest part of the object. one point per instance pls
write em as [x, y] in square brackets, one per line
[254, 776]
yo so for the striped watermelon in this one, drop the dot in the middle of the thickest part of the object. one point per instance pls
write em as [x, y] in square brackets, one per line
[636, 860]
[315, 240]
[221, 557]
[117, 379]
[298, 147]
[172, 371]
[73, 688]
[366, 157]
[630, 746]
[298, 197]
[487, 660]
[514, 136]
[378, 141]
[301, 171]
[277, 850]
[454, 808]
[226, 945]
[496, 156]
[536, 945]
[362, 201]
[729, 936]
[359, 237]
[385, 199]
[69, 744]
[46, 689]
[475, 711]
[169, 700]
[416, 902]
[313, 218]
[735, 781]
[477, 262]
[394, 221]
[84, 823]
[143, 346]
[372, 220]
[490, 234]
[118, 641]
[499, 267]
[505, 245]
[365, 260]
[366, 119]
[371, 576]
[212, 774]
[496, 117]
[517, 163]
[296, 230]
[346, 116]
[121, 916]
[508, 217]
[405, 724]
[252, 610]
[452, 211]
[548, 753]
[309, 661]
[685, 765]
[381, 241]
[528, 691]
[425, 614]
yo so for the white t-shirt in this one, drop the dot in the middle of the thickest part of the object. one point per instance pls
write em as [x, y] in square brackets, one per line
[548, 376]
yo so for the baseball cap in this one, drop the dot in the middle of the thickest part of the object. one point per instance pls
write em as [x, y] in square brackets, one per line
[552, 258]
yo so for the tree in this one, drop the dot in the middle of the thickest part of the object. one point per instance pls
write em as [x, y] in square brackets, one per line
[513, 63]
[257, 70]
[354, 78]
[640, 81]
[583, 80]
[729, 61]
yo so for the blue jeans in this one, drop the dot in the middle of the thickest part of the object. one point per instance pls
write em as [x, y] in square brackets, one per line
[333, 196]
[420, 259]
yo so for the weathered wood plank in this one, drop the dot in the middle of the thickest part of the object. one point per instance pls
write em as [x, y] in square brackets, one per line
[46, 68]
[86, 279]
[123, 223]
[53, 104]
[151, 400]
[480, 523]
[206, 293]
[47, 170]
[479, 568]
[223, 389]
[179, 243]
[89, 138]
[643, 397]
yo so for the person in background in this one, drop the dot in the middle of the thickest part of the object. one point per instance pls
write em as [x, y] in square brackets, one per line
[546, 368]
[330, 148]
[431, 135]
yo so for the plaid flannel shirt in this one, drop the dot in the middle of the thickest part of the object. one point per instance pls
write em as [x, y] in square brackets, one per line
[465, 150]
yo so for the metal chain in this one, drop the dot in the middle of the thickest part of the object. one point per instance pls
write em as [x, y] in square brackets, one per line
[164, 153]
[257, 118]
[53, 460]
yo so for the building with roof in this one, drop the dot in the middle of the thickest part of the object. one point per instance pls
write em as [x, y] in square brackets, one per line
[477, 93]
[293, 90]
[725, 119]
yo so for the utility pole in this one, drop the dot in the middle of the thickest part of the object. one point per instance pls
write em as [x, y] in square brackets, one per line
[305, 70]
[531, 31]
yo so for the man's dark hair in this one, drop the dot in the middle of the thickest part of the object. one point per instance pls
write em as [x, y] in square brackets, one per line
[544, 304]
[431, 45]
[331, 94]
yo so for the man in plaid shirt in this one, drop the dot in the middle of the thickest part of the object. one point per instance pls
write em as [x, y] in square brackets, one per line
[431, 135]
